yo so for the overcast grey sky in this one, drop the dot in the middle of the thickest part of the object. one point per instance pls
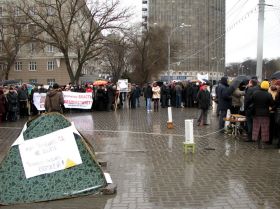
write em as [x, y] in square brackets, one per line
[241, 24]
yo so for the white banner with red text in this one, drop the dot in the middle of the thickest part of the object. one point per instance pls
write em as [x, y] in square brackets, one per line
[77, 100]
[39, 101]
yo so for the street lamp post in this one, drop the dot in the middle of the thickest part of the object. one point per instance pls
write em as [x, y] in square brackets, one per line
[212, 77]
[169, 50]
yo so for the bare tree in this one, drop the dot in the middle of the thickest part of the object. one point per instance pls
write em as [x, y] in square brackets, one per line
[13, 35]
[116, 56]
[74, 27]
[149, 56]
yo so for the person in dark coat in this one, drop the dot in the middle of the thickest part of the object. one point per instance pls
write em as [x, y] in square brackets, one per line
[173, 95]
[132, 97]
[13, 106]
[204, 100]
[163, 96]
[262, 100]
[188, 95]
[224, 92]
[3, 102]
[110, 97]
[149, 95]
[248, 106]
[178, 91]
[137, 95]
[194, 93]
[100, 98]
[23, 100]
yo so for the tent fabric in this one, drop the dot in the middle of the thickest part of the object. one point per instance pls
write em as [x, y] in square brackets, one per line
[83, 179]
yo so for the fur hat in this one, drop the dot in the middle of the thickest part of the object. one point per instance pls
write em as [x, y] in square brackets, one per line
[265, 85]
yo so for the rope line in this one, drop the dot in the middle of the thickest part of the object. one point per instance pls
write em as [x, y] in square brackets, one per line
[132, 132]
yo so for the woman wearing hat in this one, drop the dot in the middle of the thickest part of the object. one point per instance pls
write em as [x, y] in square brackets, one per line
[262, 100]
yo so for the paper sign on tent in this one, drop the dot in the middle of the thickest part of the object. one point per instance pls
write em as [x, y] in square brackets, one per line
[49, 153]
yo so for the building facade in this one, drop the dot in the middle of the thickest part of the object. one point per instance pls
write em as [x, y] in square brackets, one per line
[35, 62]
[199, 27]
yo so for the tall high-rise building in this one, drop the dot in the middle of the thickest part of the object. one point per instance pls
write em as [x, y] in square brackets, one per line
[199, 28]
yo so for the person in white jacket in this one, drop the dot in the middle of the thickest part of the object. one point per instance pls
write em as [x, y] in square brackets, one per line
[156, 96]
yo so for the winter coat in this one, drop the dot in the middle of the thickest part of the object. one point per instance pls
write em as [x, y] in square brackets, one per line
[156, 92]
[248, 96]
[262, 100]
[2, 104]
[178, 90]
[54, 101]
[22, 94]
[203, 99]
[236, 98]
[149, 92]
[224, 93]
[12, 99]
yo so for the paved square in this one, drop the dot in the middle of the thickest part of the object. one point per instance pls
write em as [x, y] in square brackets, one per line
[147, 162]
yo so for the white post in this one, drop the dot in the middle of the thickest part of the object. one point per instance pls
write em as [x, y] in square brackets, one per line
[170, 115]
[260, 39]
[168, 40]
[189, 132]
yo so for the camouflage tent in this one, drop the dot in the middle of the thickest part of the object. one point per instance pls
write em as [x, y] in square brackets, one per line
[83, 179]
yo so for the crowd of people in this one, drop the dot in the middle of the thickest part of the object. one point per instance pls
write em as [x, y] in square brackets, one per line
[258, 101]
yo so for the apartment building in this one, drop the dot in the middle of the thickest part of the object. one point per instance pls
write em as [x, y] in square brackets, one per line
[35, 62]
[199, 27]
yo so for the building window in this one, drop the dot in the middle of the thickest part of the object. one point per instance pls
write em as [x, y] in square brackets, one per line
[50, 11]
[16, 11]
[1, 11]
[50, 81]
[84, 71]
[32, 47]
[50, 48]
[50, 65]
[18, 66]
[32, 66]
[33, 81]
[32, 11]
[32, 29]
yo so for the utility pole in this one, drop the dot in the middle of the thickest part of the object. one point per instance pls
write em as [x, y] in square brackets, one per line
[260, 39]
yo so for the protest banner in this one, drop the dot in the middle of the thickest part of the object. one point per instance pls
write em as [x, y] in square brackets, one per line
[122, 85]
[39, 101]
[49, 153]
[77, 100]
[201, 77]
